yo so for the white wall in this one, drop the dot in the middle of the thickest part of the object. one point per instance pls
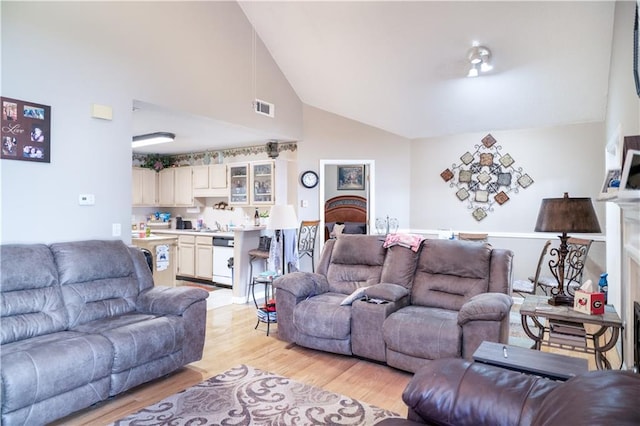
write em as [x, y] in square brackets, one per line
[192, 56]
[328, 136]
[559, 159]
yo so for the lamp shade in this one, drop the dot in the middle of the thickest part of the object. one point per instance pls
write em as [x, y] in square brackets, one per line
[282, 217]
[567, 215]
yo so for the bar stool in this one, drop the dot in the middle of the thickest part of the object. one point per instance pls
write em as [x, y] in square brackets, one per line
[260, 253]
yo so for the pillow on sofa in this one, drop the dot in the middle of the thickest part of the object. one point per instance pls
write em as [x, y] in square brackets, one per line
[355, 228]
[337, 230]
[357, 294]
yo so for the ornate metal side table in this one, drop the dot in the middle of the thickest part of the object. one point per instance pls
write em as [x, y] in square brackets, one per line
[562, 327]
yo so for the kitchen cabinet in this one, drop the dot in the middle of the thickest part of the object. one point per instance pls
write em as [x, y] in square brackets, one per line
[186, 256]
[204, 258]
[239, 184]
[166, 187]
[175, 187]
[261, 183]
[164, 269]
[144, 187]
[210, 181]
[183, 191]
[195, 256]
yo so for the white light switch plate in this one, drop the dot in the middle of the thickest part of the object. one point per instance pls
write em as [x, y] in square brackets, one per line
[116, 230]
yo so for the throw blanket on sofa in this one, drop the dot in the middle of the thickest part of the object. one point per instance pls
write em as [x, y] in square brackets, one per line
[411, 241]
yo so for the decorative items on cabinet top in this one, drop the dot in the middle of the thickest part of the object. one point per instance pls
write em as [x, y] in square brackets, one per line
[208, 157]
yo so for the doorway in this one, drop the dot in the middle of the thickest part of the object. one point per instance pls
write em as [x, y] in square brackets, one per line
[329, 188]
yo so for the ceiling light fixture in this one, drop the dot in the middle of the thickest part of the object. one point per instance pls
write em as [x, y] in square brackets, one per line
[152, 139]
[480, 59]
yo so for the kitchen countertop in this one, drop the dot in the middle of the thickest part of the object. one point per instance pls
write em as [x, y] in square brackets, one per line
[229, 234]
[152, 237]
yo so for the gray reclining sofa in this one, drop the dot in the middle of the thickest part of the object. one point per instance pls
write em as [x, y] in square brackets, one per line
[440, 301]
[82, 321]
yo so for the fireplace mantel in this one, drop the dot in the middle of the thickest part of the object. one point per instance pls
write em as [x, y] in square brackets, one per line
[630, 274]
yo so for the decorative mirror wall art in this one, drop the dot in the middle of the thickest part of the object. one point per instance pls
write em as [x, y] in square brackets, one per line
[485, 177]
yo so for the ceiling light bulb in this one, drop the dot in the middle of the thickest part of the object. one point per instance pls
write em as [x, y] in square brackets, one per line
[474, 55]
[486, 66]
[473, 71]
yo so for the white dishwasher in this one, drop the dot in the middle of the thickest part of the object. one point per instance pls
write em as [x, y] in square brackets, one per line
[223, 260]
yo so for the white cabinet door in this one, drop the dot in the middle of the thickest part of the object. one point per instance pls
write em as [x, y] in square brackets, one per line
[166, 187]
[186, 256]
[149, 187]
[183, 194]
[201, 177]
[210, 181]
[239, 184]
[204, 258]
[218, 176]
[262, 183]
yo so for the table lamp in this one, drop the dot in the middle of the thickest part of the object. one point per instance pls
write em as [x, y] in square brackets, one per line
[565, 215]
[282, 217]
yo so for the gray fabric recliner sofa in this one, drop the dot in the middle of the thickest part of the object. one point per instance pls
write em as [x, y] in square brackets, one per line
[440, 301]
[82, 321]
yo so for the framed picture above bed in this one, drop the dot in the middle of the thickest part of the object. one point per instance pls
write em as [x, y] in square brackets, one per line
[351, 177]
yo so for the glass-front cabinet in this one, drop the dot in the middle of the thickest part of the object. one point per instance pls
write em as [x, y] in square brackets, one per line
[262, 183]
[239, 184]
[256, 183]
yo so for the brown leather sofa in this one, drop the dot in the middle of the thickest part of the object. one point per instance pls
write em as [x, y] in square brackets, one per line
[441, 300]
[459, 392]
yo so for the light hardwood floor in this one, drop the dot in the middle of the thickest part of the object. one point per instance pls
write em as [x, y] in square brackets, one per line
[231, 340]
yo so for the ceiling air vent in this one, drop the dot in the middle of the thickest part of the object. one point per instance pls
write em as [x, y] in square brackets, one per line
[264, 108]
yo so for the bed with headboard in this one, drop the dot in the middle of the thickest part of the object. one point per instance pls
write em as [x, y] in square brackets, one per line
[347, 210]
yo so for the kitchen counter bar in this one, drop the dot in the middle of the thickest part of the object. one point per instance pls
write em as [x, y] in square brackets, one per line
[244, 239]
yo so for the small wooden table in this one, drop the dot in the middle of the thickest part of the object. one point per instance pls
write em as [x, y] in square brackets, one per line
[553, 366]
[564, 328]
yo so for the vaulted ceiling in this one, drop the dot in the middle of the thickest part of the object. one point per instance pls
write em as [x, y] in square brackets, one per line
[401, 65]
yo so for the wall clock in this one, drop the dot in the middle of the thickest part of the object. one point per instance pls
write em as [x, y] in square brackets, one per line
[309, 179]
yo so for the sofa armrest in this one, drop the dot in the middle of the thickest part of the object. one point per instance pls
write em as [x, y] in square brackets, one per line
[446, 391]
[302, 284]
[485, 307]
[387, 291]
[163, 300]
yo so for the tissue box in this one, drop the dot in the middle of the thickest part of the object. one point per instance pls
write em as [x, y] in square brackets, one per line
[589, 303]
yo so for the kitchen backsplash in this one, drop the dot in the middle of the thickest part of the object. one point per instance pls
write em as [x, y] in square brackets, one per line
[209, 215]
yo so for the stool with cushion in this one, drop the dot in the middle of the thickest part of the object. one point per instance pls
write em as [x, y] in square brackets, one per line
[260, 253]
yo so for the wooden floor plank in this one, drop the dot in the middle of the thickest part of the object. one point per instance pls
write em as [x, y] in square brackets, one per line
[230, 341]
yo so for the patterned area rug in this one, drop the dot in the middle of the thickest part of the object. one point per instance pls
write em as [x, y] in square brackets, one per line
[248, 396]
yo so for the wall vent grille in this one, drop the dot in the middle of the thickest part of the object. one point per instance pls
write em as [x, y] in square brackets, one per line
[264, 108]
